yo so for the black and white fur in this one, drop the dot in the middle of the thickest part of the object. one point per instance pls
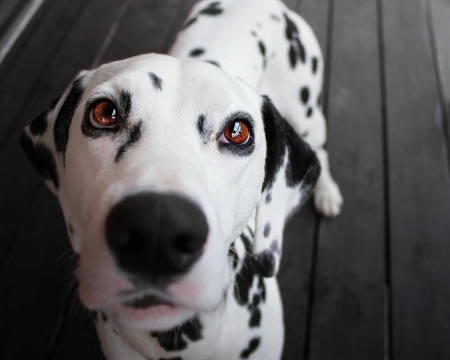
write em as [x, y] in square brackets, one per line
[205, 217]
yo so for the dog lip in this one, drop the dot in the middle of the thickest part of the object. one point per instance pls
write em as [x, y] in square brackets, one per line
[147, 301]
[145, 298]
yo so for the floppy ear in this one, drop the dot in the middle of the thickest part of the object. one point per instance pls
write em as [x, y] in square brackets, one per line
[44, 141]
[291, 172]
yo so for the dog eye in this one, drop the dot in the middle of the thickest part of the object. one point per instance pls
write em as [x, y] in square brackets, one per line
[104, 115]
[236, 133]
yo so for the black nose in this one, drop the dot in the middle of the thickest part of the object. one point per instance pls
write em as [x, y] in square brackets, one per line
[156, 235]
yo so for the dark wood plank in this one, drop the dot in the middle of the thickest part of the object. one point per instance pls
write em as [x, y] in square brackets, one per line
[294, 279]
[348, 308]
[418, 188]
[19, 76]
[31, 283]
[143, 30]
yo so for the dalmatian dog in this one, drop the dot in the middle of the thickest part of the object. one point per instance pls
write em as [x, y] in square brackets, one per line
[176, 174]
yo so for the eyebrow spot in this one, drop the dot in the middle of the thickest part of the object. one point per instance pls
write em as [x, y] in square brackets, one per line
[157, 82]
[196, 52]
[133, 137]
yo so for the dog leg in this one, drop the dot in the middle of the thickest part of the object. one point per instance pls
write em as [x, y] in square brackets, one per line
[327, 196]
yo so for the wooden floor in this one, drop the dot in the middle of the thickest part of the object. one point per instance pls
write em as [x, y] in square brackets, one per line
[372, 284]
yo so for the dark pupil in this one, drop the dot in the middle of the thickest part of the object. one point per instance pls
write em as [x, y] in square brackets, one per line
[109, 111]
[237, 129]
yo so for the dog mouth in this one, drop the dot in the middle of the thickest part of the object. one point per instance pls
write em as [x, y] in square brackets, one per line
[145, 300]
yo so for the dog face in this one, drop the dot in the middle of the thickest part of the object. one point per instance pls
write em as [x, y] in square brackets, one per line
[159, 164]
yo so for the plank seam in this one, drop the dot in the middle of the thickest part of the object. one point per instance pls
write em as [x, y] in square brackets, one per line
[312, 282]
[18, 27]
[441, 92]
[165, 45]
[387, 201]
[111, 33]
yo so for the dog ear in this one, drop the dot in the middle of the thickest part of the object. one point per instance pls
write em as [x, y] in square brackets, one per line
[291, 172]
[44, 141]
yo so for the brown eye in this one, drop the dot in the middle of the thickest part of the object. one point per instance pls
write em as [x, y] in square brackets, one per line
[104, 114]
[237, 133]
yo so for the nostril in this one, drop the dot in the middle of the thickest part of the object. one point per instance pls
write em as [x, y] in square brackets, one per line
[187, 244]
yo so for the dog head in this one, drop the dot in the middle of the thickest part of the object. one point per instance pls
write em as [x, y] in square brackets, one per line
[159, 164]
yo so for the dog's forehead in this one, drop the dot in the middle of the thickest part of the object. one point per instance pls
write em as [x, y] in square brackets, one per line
[184, 83]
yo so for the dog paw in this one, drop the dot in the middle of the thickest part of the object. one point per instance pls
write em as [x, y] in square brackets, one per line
[328, 199]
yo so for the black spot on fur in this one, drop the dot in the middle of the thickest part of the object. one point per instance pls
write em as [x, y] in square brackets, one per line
[244, 278]
[255, 317]
[304, 95]
[274, 132]
[65, 115]
[251, 348]
[262, 50]
[39, 125]
[264, 263]
[275, 247]
[212, 9]
[296, 49]
[275, 17]
[267, 230]
[253, 33]
[292, 56]
[133, 137]
[196, 52]
[125, 104]
[255, 312]
[310, 112]
[201, 125]
[262, 288]
[315, 62]
[189, 23]
[212, 62]
[291, 30]
[157, 82]
[232, 254]
[172, 340]
[41, 157]
[302, 162]
[302, 51]
[268, 198]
